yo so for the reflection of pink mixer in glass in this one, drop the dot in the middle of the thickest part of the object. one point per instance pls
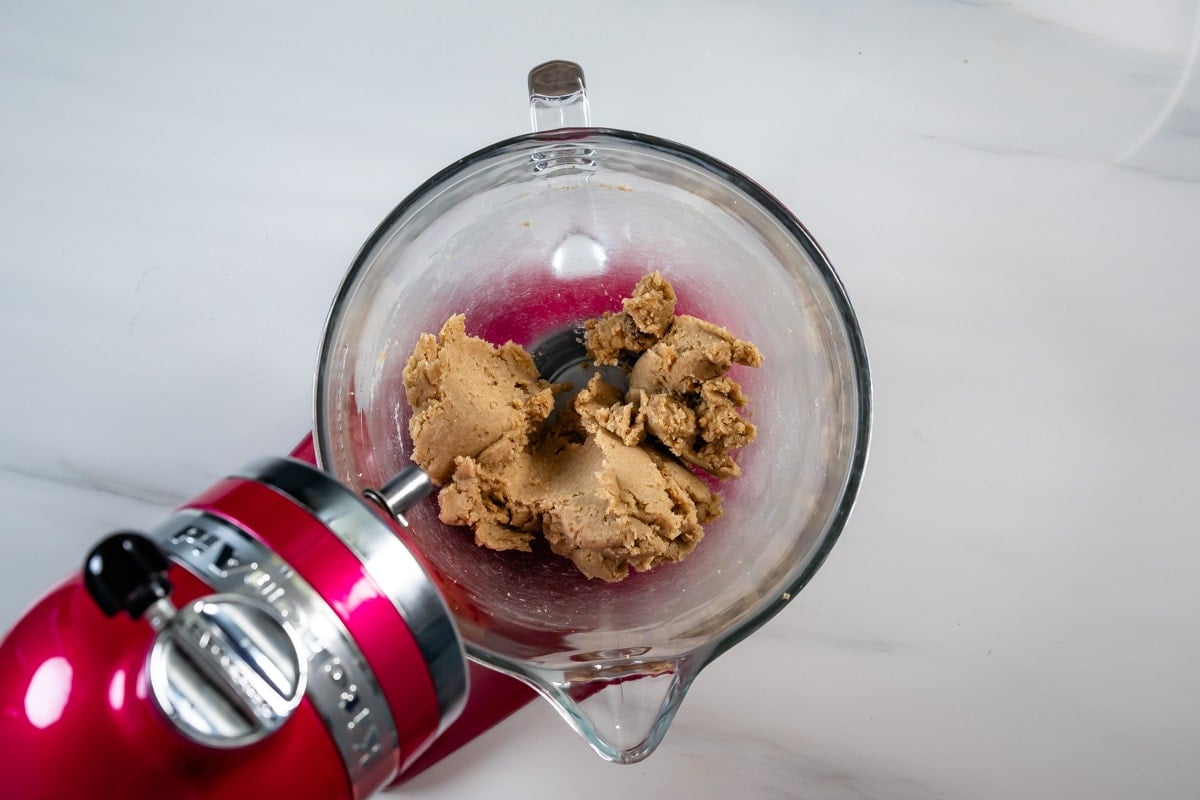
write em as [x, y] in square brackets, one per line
[285, 633]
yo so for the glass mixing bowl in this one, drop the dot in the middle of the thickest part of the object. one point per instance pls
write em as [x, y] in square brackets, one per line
[528, 237]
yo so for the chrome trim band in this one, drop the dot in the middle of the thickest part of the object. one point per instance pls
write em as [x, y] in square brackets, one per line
[341, 685]
[389, 563]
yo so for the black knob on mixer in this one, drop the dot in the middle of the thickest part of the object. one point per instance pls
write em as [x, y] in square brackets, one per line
[126, 572]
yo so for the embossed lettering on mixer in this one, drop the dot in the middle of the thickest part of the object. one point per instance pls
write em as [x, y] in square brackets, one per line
[604, 478]
[221, 552]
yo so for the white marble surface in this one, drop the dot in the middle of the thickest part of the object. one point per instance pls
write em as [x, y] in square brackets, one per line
[1009, 190]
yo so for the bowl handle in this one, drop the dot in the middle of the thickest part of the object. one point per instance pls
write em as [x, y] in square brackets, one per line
[558, 96]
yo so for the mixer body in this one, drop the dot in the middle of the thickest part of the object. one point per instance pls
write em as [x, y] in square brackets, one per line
[290, 645]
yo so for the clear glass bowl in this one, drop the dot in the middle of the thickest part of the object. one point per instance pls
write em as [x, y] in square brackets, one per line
[529, 237]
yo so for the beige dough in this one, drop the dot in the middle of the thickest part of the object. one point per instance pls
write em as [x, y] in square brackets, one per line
[678, 391]
[602, 481]
[469, 396]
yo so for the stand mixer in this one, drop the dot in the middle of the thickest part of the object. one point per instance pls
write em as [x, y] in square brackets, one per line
[301, 629]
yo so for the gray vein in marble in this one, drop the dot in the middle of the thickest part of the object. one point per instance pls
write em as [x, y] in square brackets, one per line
[773, 768]
[853, 644]
[78, 478]
[813, 637]
[1155, 173]
[1173, 99]
[1017, 152]
[1043, 16]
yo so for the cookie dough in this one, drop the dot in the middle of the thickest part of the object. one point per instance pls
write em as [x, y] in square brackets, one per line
[678, 390]
[601, 480]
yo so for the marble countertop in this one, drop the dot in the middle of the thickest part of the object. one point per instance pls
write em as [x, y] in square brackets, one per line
[1010, 192]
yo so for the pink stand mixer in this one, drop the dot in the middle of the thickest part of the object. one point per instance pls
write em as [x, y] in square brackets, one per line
[303, 630]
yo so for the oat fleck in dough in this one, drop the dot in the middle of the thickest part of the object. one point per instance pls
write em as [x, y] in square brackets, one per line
[602, 482]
